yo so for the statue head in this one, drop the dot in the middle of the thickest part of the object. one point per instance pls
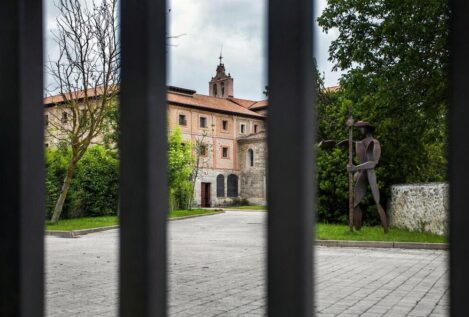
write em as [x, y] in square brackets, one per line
[365, 127]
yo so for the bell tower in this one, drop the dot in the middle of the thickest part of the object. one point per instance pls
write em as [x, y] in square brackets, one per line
[221, 85]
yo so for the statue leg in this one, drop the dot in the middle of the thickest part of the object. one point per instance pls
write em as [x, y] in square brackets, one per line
[359, 193]
[357, 218]
[375, 191]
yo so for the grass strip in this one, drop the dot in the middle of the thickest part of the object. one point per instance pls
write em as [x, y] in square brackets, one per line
[374, 233]
[253, 207]
[107, 221]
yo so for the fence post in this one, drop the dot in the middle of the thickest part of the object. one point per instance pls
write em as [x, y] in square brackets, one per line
[291, 163]
[458, 155]
[21, 160]
[143, 143]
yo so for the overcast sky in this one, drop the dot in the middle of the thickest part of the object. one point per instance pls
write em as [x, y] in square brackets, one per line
[207, 25]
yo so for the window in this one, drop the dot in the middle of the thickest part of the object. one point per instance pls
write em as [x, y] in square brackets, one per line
[222, 89]
[215, 90]
[251, 157]
[220, 185]
[255, 128]
[182, 119]
[243, 128]
[224, 152]
[203, 150]
[232, 185]
[46, 120]
[203, 122]
[224, 125]
[64, 117]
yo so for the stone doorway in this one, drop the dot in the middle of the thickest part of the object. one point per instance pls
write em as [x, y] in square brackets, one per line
[205, 195]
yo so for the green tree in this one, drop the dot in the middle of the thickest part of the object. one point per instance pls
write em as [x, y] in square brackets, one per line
[395, 55]
[180, 166]
[87, 66]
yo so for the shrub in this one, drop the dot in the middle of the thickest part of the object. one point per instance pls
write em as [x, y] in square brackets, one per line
[94, 188]
[180, 165]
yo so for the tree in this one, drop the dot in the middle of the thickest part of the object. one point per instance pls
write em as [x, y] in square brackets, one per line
[86, 75]
[396, 55]
[201, 150]
[180, 165]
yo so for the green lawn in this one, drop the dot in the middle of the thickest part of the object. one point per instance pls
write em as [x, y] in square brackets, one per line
[253, 207]
[106, 221]
[341, 232]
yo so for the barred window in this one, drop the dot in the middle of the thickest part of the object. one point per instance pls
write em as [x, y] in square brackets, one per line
[232, 185]
[203, 122]
[182, 120]
[220, 185]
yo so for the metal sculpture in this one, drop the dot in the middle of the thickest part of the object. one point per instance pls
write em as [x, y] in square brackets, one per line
[368, 152]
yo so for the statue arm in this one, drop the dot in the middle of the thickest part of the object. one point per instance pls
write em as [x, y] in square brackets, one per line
[332, 143]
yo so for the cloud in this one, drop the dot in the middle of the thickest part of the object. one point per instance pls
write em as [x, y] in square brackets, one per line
[239, 25]
[208, 24]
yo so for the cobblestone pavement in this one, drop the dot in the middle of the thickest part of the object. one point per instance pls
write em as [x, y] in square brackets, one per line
[217, 269]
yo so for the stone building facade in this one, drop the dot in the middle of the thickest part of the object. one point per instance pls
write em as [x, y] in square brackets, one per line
[230, 130]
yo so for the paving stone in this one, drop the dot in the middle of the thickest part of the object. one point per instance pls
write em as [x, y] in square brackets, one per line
[217, 268]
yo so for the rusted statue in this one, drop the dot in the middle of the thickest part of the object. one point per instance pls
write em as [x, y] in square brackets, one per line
[368, 152]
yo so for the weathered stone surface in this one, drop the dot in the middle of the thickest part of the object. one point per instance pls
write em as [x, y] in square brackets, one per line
[420, 207]
[207, 175]
[253, 178]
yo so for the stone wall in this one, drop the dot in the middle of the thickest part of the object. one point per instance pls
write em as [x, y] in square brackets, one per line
[420, 207]
[253, 178]
[207, 175]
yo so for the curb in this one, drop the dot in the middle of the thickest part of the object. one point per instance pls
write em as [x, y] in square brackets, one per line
[382, 244]
[196, 216]
[78, 233]
[246, 210]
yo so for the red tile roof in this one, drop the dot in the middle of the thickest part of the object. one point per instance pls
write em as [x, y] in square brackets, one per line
[77, 95]
[210, 103]
[178, 96]
[186, 97]
[259, 105]
[242, 102]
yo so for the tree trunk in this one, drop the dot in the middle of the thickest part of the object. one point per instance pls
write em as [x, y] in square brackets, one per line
[191, 198]
[63, 193]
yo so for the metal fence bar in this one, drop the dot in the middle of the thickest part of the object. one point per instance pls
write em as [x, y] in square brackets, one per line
[459, 157]
[21, 160]
[143, 150]
[291, 161]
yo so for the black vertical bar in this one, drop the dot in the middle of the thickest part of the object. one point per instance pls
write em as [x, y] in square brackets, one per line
[459, 157]
[21, 160]
[143, 143]
[291, 161]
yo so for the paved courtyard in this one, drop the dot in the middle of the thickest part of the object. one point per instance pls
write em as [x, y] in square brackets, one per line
[216, 268]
